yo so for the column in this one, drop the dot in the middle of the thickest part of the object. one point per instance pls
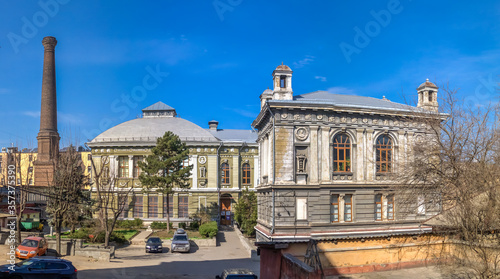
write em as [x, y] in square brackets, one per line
[341, 207]
[313, 162]
[325, 151]
[131, 166]
[360, 160]
[256, 171]
[113, 166]
[193, 160]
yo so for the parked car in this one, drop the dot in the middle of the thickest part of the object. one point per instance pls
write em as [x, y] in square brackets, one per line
[32, 246]
[180, 241]
[154, 244]
[40, 267]
[240, 273]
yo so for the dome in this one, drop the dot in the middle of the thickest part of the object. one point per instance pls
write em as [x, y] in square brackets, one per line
[142, 131]
[283, 68]
[267, 91]
[427, 83]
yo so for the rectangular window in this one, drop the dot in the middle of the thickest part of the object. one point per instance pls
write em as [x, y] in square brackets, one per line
[19, 181]
[153, 206]
[246, 174]
[31, 181]
[335, 208]
[123, 166]
[378, 207]
[301, 208]
[89, 157]
[348, 208]
[225, 173]
[185, 163]
[89, 169]
[137, 169]
[183, 207]
[283, 81]
[123, 202]
[138, 207]
[390, 207]
[31, 158]
[30, 169]
[170, 207]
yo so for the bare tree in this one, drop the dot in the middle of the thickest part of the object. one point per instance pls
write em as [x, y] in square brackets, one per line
[66, 190]
[454, 169]
[111, 199]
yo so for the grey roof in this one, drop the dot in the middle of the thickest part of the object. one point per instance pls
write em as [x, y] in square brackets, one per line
[248, 136]
[158, 106]
[149, 129]
[350, 101]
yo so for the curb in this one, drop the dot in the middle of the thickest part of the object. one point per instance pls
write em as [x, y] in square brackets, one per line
[252, 251]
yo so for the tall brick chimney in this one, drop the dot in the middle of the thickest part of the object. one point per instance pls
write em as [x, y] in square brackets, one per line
[48, 137]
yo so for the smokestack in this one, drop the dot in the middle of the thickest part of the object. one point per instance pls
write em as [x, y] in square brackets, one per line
[48, 137]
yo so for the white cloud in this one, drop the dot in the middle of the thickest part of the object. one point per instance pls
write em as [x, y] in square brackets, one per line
[323, 79]
[306, 61]
[63, 117]
[341, 90]
[34, 114]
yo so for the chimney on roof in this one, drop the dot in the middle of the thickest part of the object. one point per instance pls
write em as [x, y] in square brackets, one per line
[213, 125]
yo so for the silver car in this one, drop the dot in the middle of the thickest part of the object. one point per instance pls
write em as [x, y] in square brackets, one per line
[180, 242]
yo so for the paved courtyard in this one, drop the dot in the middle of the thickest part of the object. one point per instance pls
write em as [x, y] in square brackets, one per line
[132, 262]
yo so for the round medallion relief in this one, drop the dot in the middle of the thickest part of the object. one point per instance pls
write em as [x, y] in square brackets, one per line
[302, 133]
[202, 159]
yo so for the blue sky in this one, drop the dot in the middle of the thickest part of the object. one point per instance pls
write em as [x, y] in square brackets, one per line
[212, 59]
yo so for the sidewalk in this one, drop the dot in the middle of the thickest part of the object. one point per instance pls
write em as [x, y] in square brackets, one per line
[140, 238]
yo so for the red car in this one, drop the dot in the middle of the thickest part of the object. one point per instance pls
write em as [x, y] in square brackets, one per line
[32, 246]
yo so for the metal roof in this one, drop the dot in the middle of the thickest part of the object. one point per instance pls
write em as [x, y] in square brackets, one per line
[248, 136]
[149, 129]
[350, 101]
[159, 106]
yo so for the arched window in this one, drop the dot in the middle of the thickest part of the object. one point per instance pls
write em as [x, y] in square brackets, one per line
[225, 173]
[341, 153]
[245, 174]
[384, 154]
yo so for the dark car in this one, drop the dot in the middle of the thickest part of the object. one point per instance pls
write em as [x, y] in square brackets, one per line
[240, 273]
[40, 267]
[154, 244]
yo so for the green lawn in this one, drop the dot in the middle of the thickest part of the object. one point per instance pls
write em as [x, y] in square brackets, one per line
[128, 234]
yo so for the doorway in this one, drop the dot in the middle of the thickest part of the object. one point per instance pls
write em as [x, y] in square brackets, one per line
[225, 209]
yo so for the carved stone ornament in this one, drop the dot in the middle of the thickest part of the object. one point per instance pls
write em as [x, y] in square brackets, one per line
[301, 163]
[343, 120]
[296, 117]
[331, 119]
[319, 116]
[365, 120]
[302, 133]
[202, 159]
[284, 116]
[308, 117]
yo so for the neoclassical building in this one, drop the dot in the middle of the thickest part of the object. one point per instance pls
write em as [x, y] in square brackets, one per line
[224, 162]
[326, 173]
